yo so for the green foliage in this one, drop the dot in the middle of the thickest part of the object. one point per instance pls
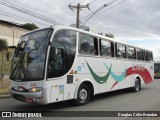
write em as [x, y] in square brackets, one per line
[30, 26]
[3, 44]
[100, 33]
[109, 35]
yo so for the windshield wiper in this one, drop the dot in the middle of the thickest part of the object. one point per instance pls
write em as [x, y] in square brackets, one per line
[19, 63]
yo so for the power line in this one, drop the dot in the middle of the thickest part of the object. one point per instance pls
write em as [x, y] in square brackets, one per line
[78, 7]
[25, 11]
[22, 3]
[72, 2]
[82, 2]
[112, 6]
[113, 1]
[99, 9]
[92, 2]
[19, 17]
[93, 12]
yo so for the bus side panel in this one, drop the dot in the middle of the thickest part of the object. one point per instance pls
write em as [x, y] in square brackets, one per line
[105, 75]
[59, 90]
[83, 68]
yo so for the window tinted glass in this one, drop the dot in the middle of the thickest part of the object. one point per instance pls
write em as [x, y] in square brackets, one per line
[62, 53]
[139, 54]
[88, 44]
[131, 52]
[120, 51]
[150, 56]
[106, 48]
[146, 56]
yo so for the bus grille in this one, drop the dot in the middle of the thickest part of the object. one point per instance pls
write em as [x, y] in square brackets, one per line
[19, 97]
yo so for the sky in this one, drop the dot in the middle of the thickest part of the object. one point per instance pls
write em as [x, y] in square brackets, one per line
[132, 21]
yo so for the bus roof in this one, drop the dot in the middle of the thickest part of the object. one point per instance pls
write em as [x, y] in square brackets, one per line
[58, 27]
[95, 34]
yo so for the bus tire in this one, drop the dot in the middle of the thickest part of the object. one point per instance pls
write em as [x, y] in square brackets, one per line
[137, 86]
[83, 95]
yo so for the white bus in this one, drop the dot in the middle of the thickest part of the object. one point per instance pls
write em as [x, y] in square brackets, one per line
[62, 63]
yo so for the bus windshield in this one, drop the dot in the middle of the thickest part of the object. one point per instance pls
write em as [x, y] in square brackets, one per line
[30, 55]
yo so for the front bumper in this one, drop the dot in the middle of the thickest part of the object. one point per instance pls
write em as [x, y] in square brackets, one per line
[28, 97]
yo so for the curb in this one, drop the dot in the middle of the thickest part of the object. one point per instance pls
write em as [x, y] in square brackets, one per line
[4, 96]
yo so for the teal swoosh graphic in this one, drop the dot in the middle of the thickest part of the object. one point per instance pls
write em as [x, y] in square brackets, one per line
[116, 77]
[97, 78]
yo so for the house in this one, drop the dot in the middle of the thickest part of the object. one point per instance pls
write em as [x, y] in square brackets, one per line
[11, 31]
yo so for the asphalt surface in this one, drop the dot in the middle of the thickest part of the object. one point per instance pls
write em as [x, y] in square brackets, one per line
[148, 99]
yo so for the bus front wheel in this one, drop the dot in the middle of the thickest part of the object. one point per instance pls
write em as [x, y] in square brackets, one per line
[83, 95]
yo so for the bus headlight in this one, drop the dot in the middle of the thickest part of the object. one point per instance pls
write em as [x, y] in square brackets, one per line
[36, 89]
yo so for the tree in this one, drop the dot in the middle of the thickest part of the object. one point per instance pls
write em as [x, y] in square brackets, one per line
[30, 26]
[100, 33]
[109, 35]
[3, 44]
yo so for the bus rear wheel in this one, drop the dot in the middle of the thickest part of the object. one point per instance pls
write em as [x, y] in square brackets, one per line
[83, 95]
[137, 86]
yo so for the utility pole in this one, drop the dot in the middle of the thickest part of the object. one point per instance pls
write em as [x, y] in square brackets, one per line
[78, 7]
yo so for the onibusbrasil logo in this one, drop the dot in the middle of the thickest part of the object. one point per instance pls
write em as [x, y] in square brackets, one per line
[20, 114]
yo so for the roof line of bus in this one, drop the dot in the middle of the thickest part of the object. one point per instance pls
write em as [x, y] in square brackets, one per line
[97, 35]
[90, 33]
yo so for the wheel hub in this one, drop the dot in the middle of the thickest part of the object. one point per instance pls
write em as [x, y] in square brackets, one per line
[82, 94]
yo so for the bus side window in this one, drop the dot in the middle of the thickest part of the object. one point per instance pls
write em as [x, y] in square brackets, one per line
[131, 53]
[112, 49]
[88, 44]
[120, 50]
[150, 56]
[62, 53]
[106, 48]
[57, 57]
[139, 54]
[96, 46]
[146, 56]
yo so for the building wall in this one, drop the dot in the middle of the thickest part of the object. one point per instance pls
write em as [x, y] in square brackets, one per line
[11, 33]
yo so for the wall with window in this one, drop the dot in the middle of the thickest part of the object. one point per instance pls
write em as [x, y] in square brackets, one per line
[11, 32]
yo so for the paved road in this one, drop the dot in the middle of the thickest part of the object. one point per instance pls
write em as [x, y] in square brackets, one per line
[148, 99]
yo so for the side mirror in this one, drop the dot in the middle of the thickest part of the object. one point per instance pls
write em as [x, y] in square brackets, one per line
[7, 51]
